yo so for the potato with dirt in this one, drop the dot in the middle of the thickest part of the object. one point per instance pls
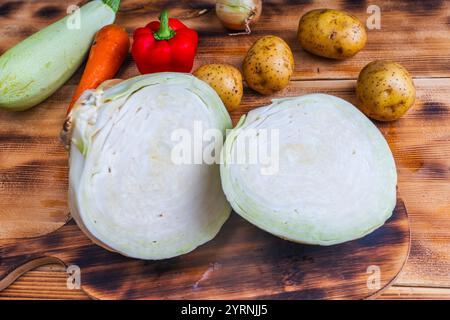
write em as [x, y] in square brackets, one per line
[226, 80]
[385, 90]
[331, 33]
[269, 65]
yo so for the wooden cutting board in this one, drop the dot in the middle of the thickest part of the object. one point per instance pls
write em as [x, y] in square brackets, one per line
[242, 262]
[33, 164]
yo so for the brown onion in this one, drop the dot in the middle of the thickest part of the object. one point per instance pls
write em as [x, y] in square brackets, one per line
[238, 14]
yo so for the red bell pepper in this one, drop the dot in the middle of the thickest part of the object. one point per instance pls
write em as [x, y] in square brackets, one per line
[164, 46]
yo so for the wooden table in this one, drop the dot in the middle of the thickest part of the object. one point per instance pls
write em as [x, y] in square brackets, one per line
[413, 33]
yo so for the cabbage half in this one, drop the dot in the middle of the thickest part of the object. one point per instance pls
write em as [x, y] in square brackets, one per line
[125, 192]
[336, 179]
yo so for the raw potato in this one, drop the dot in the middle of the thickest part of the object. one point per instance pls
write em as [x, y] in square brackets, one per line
[226, 80]
[331, 33]
[269, 65]
[385, 90]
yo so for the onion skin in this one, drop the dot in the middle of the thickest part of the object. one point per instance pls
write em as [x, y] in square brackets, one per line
[238, 14]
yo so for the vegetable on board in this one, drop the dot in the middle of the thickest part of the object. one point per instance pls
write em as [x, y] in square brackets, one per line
[35, 68]
[164, 46]
[110, 48]
[127, 189]
[328, 175]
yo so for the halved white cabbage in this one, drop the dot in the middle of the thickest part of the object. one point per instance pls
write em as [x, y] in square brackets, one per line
[126, 193]
[336, 179]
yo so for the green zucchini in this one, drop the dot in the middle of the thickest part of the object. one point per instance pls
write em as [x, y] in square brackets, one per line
[35, 68]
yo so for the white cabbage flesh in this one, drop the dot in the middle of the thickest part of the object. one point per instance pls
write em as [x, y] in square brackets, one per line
[126, 193]
[336, 180]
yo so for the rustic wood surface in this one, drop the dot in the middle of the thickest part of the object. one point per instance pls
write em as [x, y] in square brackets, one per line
[242, 262]
[414, 33]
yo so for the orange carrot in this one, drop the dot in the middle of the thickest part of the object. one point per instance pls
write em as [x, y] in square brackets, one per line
[110, 48]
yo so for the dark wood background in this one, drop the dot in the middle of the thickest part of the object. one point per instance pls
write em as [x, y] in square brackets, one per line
[413, 33]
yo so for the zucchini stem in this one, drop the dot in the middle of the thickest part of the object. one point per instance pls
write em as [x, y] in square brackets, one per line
[113, 4]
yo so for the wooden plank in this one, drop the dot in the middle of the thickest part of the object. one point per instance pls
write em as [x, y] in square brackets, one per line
[33, 172]
[415, 293]
[32, 136]
[47, 282]
[50, 282]
[420, 145]
[242, 262]
[420, 141]
[406, 34]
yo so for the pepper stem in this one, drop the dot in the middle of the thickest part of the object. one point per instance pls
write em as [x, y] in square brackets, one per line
[164, 32]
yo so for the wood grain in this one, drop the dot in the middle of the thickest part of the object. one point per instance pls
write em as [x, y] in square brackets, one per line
[33, 170]
[47, 282]
[413, 33]
[50, 282]
[420, 142]
[242, 262]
